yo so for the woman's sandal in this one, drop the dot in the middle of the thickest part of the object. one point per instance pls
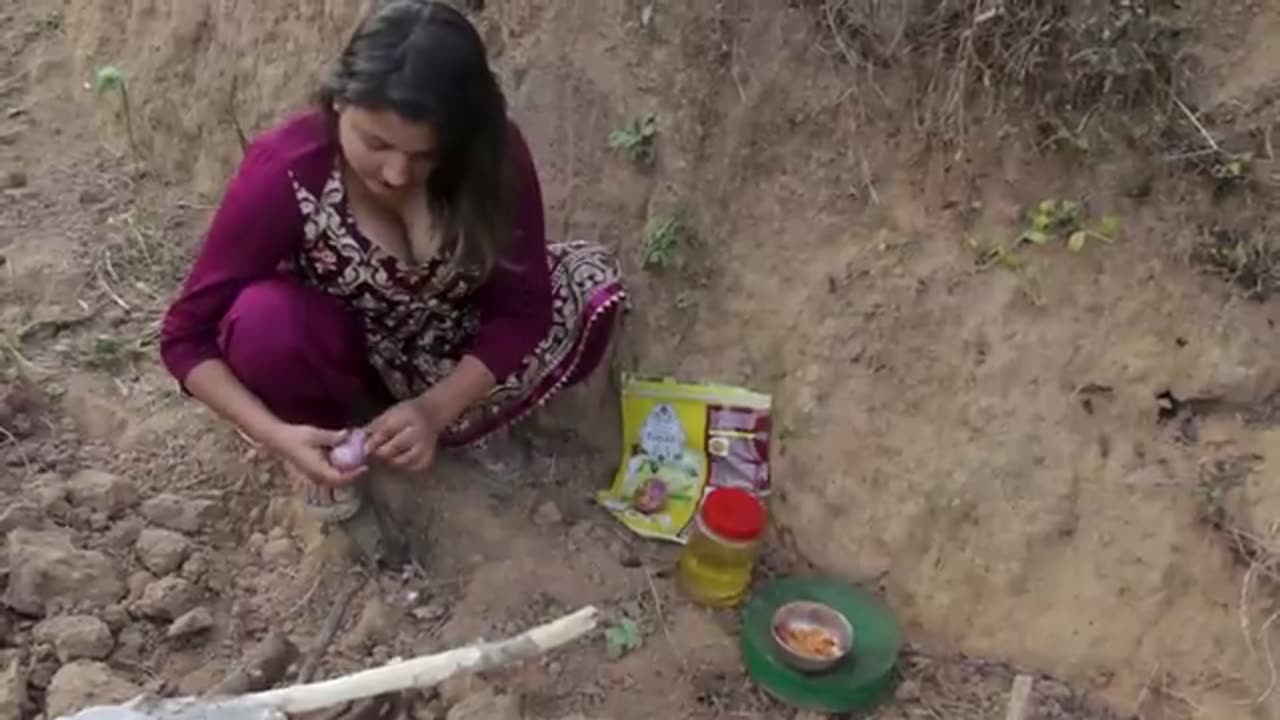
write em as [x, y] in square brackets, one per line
[331, 506]
[327, 505]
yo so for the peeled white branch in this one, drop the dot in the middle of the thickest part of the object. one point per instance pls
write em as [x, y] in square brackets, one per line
[422, 672]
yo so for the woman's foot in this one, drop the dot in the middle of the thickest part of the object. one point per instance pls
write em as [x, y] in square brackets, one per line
[328, 505]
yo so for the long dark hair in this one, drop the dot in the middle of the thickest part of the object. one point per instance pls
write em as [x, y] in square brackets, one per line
[424, 60]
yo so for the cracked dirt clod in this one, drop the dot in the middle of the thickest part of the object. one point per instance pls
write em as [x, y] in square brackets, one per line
[13, 684]
[162, 551]
[103, 492]
[47, 571]
[547, 515]
[486, 705]
[21, 515]
[85, 683]
[76, 637]
[181, 514]
[192, 623]
[167, 599]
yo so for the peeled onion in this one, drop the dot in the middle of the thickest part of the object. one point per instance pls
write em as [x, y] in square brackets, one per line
[349, 454]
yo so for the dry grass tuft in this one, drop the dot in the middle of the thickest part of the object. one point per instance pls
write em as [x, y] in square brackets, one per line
[1246, 259]
[973, 60]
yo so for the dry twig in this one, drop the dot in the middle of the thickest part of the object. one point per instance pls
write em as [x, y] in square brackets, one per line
[330, 630]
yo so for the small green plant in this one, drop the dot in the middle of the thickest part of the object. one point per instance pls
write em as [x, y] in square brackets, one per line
[1244, 257]
[111, 78]
[110, 353]
[635, 139]
[50, 22]
[623, 636]
[663, 239]
[1232, 170]
[1104, 230]
[1051, 219]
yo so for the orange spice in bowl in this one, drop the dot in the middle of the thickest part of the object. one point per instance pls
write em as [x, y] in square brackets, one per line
[811, 640]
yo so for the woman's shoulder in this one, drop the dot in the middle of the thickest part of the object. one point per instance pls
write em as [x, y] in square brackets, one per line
[301, 146]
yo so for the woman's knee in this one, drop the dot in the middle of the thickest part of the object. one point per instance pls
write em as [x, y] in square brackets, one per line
[279, 329]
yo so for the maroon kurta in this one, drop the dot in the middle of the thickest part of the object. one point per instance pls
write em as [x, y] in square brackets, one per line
[535, 322]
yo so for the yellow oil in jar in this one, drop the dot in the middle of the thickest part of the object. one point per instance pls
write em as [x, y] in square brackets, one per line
[716, 572]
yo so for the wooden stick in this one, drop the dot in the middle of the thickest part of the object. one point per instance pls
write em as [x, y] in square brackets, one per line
[426, 671]
[1019, 698]
[422, 672]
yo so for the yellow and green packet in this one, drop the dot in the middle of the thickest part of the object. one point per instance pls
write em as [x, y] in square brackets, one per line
[680, 441]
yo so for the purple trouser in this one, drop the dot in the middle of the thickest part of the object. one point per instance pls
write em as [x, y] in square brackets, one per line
[303, 353]
[300, 351]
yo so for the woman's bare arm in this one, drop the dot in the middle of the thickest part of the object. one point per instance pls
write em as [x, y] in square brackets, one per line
[212, 383]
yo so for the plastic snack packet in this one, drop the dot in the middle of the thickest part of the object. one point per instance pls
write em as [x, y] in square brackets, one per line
[680, 441]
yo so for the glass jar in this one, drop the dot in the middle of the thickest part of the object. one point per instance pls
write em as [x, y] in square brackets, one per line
[716, 565]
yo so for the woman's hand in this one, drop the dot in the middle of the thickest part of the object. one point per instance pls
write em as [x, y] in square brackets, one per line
[407, 433]
[307, 449]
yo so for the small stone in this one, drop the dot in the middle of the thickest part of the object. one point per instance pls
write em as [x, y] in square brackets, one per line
[10, 137]
[79, 518]
[203, 679]
[196, 621]
[124, 533]
[256, 542]
[131, 645]
[429, 612]
[85, 683]
[580, 533]
[92, 196]
[13, 684]
[280, 551]
[51, 496]
[162, 551]
[196, 567]
[103, 492]
[187, 515]
[21, 515]
[138, 583]
[459, 687]
[547, 514]
[115, 616]
[429, 709]
[486, 705]
[167, 599]
[375, 625]
[99, 522]
[13, 180]
[44, 663]
[47, 571]
[76, 637]
[908, 690]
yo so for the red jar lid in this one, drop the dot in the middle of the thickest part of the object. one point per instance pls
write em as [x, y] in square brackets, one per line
[733, 514]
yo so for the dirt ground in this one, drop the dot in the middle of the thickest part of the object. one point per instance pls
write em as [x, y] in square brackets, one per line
[1062, 469]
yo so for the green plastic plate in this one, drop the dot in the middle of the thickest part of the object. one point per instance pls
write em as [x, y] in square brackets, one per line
[859, 683]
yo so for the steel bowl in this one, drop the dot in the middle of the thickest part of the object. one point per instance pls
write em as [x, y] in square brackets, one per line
[801, 615]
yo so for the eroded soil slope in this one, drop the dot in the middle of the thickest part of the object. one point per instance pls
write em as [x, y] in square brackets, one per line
[981, 442]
